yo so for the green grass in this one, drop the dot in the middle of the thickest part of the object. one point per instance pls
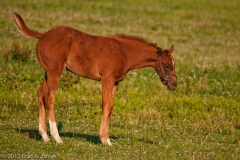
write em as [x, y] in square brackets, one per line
[200, 120]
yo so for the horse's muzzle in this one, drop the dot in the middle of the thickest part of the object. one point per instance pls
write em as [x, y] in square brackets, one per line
[172, 87]
[171, 83]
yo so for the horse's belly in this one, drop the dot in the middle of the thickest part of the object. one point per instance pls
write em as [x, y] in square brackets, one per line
[84, 69]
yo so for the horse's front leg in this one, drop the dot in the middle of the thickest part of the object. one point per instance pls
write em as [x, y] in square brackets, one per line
[109, 88]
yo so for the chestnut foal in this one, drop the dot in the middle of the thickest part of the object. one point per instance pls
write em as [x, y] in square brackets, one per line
[104, 58]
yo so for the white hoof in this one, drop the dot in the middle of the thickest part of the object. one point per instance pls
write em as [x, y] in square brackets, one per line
[58, 140]
[45, 137]
[108, 142]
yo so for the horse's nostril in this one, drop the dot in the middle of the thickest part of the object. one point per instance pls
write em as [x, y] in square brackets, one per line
[172, 87]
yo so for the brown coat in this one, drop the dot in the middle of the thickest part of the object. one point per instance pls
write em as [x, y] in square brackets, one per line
[104, 58]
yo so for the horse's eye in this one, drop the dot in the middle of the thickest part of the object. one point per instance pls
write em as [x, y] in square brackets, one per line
[167, 67]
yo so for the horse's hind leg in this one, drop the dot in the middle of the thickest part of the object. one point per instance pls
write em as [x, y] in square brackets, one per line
[46, 96]
[42, 115]
[52, 81]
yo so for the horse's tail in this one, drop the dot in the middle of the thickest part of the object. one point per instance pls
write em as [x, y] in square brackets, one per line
[18, 21]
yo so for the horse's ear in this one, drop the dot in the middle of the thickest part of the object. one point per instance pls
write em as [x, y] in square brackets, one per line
[159, 51]
[171, 49]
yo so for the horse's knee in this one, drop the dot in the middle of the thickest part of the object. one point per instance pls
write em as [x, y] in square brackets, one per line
[48, 99]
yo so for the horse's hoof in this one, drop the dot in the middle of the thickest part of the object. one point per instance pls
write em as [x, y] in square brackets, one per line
[58, 140]
[109, 142]
[106, 142]
[46, 139]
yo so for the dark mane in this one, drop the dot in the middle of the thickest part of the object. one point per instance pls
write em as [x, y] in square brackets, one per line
[136, 38]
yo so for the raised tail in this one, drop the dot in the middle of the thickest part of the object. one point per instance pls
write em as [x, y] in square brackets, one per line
[18, 21]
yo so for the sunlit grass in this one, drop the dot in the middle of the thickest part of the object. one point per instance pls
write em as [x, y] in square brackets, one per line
[200, 120]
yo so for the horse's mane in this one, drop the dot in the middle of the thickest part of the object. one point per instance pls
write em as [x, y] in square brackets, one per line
[136, 38]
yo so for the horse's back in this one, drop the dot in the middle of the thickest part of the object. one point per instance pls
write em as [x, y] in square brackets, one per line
[96, 56]
[84, 54]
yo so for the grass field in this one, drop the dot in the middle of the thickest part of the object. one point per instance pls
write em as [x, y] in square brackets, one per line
[200, 120]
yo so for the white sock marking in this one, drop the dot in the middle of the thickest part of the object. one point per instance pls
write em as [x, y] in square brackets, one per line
[43, 134]
[54, 131]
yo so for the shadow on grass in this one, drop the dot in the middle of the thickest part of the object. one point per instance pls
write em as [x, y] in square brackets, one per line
[90, 138]
[31, 133]
[34, 134]
[146, 141]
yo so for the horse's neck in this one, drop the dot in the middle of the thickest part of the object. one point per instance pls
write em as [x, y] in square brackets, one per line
[139, 56]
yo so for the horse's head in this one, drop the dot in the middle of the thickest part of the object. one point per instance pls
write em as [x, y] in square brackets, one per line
[165, 68]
